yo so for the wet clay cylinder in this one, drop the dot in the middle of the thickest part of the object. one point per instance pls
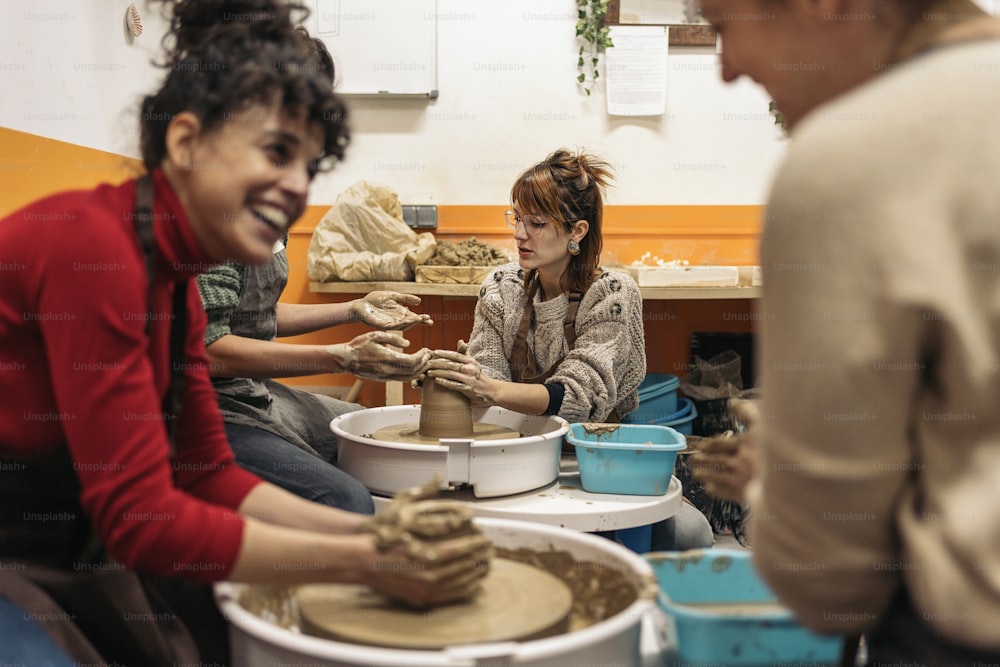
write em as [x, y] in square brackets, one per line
[444, 413]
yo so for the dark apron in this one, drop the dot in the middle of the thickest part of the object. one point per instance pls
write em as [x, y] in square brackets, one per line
[299, 417]
[523, 365]
[55, 568]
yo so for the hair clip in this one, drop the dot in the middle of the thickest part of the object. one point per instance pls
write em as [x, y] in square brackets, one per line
[133, 20]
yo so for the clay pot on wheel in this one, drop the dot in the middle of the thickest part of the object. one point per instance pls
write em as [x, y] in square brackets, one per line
[444, 413]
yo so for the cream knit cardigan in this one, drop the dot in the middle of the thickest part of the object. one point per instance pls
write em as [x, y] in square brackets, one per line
[604, 369]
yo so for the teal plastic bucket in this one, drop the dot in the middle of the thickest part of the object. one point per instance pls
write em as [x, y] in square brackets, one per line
[657, 398]
[683, 419]
[723, 613]
[628, 459]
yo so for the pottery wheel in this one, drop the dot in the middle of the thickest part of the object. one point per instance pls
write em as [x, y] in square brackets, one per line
[517, 601]
[410, 433]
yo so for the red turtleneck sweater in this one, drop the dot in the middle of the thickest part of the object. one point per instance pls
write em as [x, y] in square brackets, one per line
[77, 370]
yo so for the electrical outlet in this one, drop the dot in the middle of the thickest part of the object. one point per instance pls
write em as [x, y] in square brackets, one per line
[427, 217]
[422, 216]
[410, 215]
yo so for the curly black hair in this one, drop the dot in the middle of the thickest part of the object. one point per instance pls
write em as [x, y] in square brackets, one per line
[224, 56]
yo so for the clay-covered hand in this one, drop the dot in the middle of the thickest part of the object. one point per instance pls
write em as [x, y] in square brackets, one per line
[377, 355]
[429, 551]
[461, 373]
[418, 381]
[726, 464]
[389, 310]
[744, 413]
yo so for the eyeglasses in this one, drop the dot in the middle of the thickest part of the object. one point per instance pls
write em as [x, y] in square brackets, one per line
[532, 223]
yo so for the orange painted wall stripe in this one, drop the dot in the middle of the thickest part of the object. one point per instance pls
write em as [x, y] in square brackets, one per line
[32, 167]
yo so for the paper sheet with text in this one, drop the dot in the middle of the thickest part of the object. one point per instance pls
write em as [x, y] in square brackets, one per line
[636, 70]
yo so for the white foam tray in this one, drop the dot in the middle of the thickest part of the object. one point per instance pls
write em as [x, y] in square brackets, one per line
[685, 276]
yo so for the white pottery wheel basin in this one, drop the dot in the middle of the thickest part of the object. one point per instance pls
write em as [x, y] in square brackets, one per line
[615, 640]
[490, 467]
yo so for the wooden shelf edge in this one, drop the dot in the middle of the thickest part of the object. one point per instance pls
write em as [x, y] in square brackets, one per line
[428, 289]
[681, 34]
[450, 289]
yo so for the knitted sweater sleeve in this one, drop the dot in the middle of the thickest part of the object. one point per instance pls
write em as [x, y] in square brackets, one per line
[608, 362]
[220, 295]
[603, 370]
[501, 301]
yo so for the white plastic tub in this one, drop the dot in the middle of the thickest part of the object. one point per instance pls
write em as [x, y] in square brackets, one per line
[491, 467]
[613, 641]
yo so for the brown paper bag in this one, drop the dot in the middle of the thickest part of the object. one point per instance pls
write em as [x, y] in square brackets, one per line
[363, 238]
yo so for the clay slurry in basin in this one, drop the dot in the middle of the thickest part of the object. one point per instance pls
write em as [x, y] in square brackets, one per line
[598, 590]
[600, 429]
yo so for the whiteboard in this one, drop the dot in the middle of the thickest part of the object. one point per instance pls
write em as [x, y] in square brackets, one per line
[379, 47]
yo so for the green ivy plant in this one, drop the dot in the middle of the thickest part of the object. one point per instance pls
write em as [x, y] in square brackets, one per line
[591, 29]
[778, 118]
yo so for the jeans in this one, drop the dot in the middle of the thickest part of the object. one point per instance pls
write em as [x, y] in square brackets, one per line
[688, 529]
[23, 641]
[281, 463]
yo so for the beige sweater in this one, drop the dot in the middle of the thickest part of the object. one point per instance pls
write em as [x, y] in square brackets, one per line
[604, 369]
[880, 354]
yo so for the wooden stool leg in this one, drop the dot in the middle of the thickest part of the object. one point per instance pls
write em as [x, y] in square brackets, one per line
[352, 394]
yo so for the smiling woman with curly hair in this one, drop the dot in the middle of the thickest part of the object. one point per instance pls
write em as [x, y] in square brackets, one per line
[119, 497]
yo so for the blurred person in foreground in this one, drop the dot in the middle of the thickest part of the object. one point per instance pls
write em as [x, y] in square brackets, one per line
[878, 442]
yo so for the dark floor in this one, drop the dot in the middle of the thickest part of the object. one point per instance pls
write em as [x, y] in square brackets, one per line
[728, 541]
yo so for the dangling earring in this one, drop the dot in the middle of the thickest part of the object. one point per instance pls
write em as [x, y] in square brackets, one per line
[573, 247]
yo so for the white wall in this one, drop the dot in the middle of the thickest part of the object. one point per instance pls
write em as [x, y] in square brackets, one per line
[67, 72]
[508, 96]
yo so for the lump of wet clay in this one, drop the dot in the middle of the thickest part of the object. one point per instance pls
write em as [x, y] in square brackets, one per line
[469, 252]
[421, 524]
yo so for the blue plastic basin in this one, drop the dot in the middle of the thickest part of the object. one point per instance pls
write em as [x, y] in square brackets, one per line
[657, 398]
[630, 459]
[689, 580]
[683, 419]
